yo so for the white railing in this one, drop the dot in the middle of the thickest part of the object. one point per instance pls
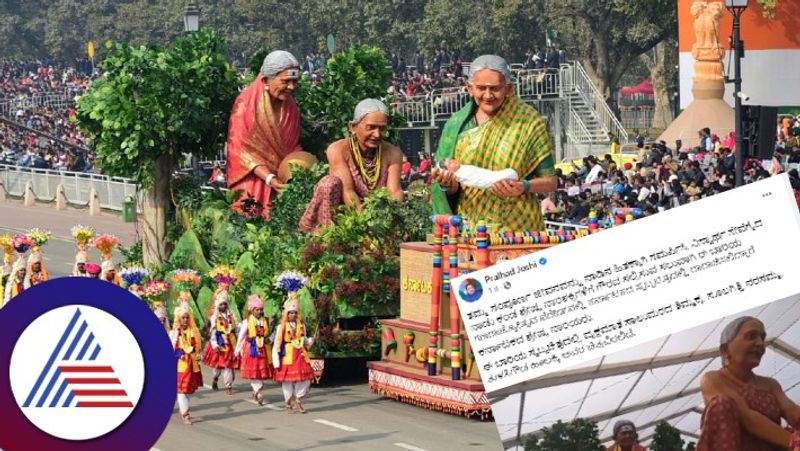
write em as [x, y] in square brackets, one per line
[446, 102]
[535, 84]
[578, 135]
[111, 191]
[60, 98]
[586, 88]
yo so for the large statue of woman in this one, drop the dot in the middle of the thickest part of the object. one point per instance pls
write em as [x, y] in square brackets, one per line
[264, 128]
[495, 131]
[359, 165]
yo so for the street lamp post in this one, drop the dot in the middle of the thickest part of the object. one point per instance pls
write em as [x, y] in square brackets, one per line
[191, 23]
[737, 7]
[191, 18]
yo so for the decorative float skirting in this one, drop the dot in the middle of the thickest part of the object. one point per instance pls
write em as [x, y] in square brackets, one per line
[429, 394]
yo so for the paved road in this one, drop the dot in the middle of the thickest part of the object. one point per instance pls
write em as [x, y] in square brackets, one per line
[343, 417]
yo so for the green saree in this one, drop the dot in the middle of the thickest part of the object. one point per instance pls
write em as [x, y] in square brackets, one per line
[516, 137]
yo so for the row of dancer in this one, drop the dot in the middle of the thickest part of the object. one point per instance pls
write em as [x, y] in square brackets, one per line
[259, 356]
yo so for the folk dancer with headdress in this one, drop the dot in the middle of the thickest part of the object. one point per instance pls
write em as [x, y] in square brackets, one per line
[17, 282]
[219, 350]
[108, 272]
[5, 269]
[264, 128]
[106, 244]
[82, 235]
[92, 270]
[254, 348]
[187, 350]
[36, 271]
[185, 280]
[289, 354]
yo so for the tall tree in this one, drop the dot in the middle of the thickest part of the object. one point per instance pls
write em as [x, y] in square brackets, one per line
[666, 438]
[578, 434]
[663, 73]
[152, 107]
[607, 36]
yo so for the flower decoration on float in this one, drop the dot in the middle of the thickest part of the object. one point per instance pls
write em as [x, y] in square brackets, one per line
[134, 276]
[105, 244]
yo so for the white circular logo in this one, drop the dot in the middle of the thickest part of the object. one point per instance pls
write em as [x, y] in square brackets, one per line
[77, 372]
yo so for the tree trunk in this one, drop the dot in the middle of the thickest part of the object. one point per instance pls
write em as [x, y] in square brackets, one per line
[659, 73]
[156, 207]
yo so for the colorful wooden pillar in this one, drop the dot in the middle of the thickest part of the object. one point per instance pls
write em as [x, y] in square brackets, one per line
[455, 326]
[436, 294]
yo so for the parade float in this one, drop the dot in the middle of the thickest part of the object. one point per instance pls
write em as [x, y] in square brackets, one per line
[431, 365]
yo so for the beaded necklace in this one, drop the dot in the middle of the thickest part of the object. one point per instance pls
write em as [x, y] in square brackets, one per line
[370, 171]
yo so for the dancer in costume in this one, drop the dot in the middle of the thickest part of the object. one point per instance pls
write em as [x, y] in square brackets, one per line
[254, 349]
[106, 244]
[359, 165]
[8, 258]
[93, 271]
[495, 131]
[83, 235]
[743, 411]
[264, 128]
[17, 282]
[289, 355]
[219, 351]
[187, 350]
[186, 280]
[109, 273]
[37, 271]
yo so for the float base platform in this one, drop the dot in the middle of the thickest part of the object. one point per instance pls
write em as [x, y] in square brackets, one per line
[412, 385]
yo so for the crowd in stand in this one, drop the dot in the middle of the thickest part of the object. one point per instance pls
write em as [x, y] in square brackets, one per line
[662, 178]
[38, 100]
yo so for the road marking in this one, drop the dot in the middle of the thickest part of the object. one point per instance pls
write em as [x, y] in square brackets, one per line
[409, 447]
[268, 406]
[336, 425]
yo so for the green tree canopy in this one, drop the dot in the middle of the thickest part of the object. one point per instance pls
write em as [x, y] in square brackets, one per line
[576, 435]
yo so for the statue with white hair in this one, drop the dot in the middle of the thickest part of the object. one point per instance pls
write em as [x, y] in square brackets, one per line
[359, 165]
[264, 129]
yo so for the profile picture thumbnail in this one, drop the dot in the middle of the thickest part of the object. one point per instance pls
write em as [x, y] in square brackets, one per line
[470, 290]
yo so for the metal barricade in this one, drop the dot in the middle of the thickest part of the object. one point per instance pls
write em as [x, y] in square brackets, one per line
[111, 191]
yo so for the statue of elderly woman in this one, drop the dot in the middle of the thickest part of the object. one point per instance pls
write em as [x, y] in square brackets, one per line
[359, 165]
[495, 131]
[743, 411]
[264, 128]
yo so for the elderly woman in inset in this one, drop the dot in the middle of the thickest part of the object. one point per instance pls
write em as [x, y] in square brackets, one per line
[359, 165]
[625, 437]
[264, 128]
[743, 411]
[495, 131]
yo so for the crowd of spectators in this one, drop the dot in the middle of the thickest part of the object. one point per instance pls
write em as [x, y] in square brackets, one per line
[660, 179]
[37, 101]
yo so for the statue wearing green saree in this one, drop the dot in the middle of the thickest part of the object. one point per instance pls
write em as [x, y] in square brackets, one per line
[514, 136]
